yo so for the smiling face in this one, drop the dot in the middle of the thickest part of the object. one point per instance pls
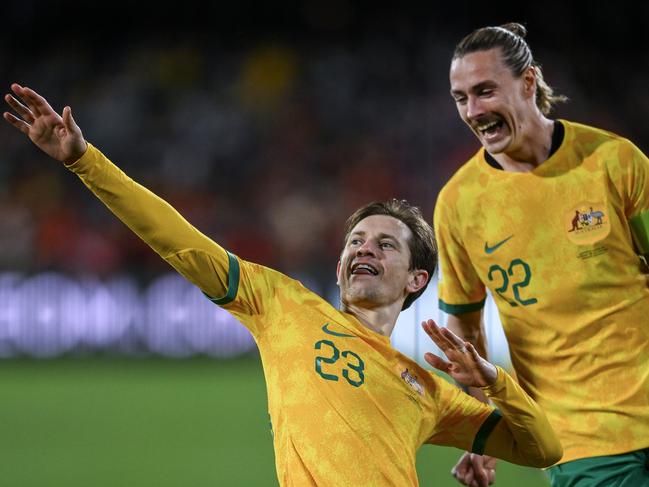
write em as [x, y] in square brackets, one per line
[496, 105]
[375, 262]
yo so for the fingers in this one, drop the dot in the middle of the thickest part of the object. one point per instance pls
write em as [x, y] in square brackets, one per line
[21, 93]
[16, 122]
[453, 338]
[437, 362]
[433, 331]
[481, 472]
[463, 471]
[475, 470]
[19, 108]
[444, 338]
[488, 371]
[481, 477]
[492, 475]
[69, 122]
[472, 351]
[36, 103]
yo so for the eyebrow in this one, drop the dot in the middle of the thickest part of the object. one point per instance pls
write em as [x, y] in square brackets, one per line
[477, 87]
[381, 236]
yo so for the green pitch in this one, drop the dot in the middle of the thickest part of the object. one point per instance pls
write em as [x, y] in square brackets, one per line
[105, 422]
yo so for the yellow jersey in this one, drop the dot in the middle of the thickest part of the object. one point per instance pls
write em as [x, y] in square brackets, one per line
[555, 249]
[346, 408]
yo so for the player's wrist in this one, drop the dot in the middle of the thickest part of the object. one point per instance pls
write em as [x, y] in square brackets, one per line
[491, 374]
[77, 154]
[498, 382]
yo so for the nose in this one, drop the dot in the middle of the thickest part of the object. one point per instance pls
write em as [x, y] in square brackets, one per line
[367, 248]
[474, 108]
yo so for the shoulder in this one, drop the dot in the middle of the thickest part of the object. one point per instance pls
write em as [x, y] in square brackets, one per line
[462, 188]
[258, 276]
[588, 136]
[469, 173]
[602, 147]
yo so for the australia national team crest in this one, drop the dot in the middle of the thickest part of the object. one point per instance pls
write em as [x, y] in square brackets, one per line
[411, 380]
[587, 223]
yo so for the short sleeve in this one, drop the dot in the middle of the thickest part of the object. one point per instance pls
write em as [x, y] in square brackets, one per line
[460, 288]
[634, 182]
[635, 170]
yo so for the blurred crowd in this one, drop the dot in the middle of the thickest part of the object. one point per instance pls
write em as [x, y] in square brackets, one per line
[265, 145]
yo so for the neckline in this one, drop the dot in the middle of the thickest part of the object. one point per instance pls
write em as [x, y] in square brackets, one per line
[366, 329]
[558, 136]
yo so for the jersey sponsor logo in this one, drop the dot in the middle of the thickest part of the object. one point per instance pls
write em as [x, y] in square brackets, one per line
[328, 331]
[587, 223]
[491, 249]
[411, 380]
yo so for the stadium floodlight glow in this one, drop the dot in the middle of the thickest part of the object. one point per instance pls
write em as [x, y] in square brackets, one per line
[49, 314]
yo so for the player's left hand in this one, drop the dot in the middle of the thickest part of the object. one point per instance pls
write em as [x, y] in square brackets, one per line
[464, 364]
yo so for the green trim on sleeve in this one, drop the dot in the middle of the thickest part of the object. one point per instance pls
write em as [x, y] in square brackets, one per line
[233, 282]
[485, 430]
[640, 231]
[458, 309]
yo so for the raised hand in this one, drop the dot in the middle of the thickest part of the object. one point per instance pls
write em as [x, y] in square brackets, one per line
[58, 136]
[464, 363]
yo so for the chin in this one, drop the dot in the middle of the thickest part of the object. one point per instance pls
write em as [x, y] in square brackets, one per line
[360, 297]
[499, 147]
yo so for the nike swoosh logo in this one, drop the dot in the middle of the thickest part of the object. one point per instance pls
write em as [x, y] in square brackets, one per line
[326, 329]
[493, 248]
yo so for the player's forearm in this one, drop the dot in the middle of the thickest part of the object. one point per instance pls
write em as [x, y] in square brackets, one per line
[154, 220]
[468, 326]
[524, 435]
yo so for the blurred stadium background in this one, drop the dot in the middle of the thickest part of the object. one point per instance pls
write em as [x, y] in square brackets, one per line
[265, 125]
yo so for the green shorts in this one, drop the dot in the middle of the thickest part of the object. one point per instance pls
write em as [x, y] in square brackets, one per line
[627, 470]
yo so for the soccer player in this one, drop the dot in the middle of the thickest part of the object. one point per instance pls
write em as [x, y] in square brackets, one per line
[544, 215]
[346, 408]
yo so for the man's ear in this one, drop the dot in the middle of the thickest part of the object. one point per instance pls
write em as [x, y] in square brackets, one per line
[338, 273]
[418, 279]
[529, 81]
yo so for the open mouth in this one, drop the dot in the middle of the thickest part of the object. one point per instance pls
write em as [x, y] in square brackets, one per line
[491, 128]
[364, 269]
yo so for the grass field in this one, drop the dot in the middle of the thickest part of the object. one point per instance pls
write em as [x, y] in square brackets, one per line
[151, 422]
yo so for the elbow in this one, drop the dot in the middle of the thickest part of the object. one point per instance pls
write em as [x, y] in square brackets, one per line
[547, 456]
[554, 454]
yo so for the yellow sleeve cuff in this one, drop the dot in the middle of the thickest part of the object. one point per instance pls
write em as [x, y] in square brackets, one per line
[497, 386]
[84, 160]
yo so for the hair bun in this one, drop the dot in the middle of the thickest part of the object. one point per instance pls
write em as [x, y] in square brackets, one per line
[516, 28]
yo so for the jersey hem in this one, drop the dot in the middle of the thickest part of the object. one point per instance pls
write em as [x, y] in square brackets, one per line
[581, 456]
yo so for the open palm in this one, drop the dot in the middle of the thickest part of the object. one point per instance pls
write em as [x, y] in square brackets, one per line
[58, 136]
[464, 364]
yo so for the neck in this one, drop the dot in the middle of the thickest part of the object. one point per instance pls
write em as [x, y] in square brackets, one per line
[380, 319]
[533, 148]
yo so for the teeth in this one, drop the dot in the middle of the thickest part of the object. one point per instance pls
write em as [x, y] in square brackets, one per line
[366, 267]
[487, 126]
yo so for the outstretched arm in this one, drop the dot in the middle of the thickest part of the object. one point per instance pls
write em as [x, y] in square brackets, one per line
[190, 252]
[525, 436]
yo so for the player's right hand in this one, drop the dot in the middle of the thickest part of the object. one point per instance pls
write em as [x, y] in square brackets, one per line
[475, 470]
[56, 135]
[464, 364]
